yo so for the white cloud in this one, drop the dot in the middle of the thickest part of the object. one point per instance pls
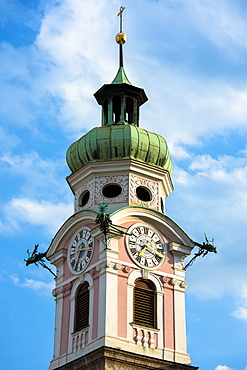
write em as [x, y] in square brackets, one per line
[39, 213]
[38, 201]
[241, 310]
[38, 286]
[223, 178]
[8, 139]
[78, 57]
[241, 313]
[223, 367]
[177, 151]
[194, 108]
[46, 174]
[220, 21]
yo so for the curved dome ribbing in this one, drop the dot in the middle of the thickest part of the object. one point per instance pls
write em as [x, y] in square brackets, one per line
[117, 142]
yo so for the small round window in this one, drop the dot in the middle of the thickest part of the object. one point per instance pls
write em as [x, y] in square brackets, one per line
[143, 194]
[111, 190]
[84, 198]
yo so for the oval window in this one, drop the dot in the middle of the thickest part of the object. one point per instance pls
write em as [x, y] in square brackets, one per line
[143, 194]
[84, 198]
[111, 190]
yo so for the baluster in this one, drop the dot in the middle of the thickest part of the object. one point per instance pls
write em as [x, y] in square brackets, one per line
[83, 340]
[145, 338]
[138, 337]
[73, 344]
[151, 340]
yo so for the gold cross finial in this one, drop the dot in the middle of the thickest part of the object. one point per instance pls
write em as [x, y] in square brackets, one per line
[121, 11]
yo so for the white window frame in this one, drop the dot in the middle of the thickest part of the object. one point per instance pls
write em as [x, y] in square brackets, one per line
[85, 278]
[160, 304]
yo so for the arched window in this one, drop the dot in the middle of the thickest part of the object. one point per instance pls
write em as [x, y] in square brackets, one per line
[82, 307]
[144, 303]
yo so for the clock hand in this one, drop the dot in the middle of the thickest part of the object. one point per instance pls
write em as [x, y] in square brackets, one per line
[85, 249]
[158, 253]
[142, 251]
[77, 255]
[146, 245]
[78, 252]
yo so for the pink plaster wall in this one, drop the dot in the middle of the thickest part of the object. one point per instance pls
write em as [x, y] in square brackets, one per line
[67, 273]
[65, 324]
[169, 262]
[95, 309]
[123, 255]
[95, 256]
[122, 306]
[169, 318]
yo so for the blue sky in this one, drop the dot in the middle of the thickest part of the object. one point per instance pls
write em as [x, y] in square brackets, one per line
[190, 56]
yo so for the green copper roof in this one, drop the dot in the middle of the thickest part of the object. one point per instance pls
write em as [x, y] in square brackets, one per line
[121, 77]
[119, 142]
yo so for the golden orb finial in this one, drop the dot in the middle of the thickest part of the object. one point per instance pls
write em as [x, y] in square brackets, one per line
[121, 38]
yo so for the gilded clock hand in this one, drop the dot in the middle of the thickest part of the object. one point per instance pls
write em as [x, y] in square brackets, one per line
[85, 249]
[78, 253]
[146, 245]
[142, 251]
[158, 253]
[79, 250]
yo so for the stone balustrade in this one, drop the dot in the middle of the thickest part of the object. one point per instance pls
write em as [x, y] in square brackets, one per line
[145, 337]
[79, 340]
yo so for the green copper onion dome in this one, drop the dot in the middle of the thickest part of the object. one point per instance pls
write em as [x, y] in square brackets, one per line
[117, 142]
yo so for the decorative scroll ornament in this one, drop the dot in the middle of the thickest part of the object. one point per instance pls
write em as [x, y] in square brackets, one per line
[152, 186]
[88, 186]
[100, 182]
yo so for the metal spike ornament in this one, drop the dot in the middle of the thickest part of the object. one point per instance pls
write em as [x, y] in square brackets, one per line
[37, 259]
[204, 248]
[121, 37]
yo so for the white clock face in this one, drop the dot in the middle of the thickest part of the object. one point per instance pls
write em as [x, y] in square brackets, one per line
[80, 251]
[146, 247]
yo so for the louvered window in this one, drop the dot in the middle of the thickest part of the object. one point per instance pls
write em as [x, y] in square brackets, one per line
[144, 303]
[82, 307]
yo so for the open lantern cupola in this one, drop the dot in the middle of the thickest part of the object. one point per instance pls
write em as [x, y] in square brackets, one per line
[120, 101]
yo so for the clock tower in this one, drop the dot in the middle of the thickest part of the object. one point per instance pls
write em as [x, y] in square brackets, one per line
[120, 303]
